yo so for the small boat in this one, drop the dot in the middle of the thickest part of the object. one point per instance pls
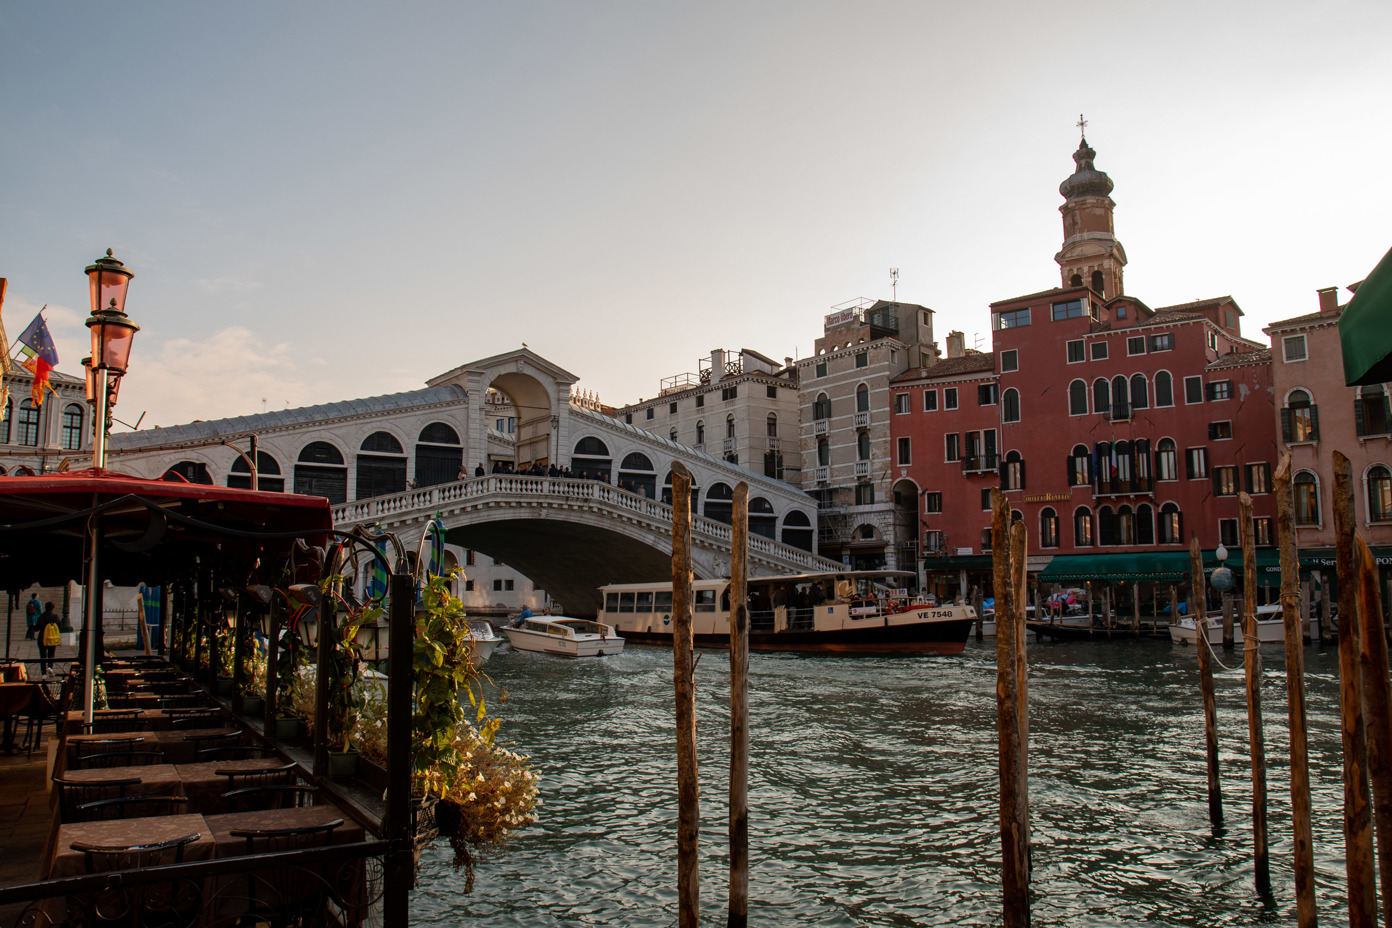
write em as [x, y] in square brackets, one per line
[1271, 628]
[485, 641]
[558, 634]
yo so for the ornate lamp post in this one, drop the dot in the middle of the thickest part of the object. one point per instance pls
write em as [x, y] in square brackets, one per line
[112, 334]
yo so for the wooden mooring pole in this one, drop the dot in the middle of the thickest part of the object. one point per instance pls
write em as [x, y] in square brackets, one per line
[1210, 699]
[683, 671]
[1014, 816]
[739, 710]
[1251, 652]
[1375, 704]
[1293, 617]
[1358, 832]
[1228, 636]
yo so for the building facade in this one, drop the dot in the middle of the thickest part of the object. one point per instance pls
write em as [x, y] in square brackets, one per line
[38, 438]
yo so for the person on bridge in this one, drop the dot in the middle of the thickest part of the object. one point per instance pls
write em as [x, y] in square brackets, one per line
[478, 471]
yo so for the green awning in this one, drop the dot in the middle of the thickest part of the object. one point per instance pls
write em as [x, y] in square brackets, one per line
[1162, 566]
[1365, 328]
[956, 562]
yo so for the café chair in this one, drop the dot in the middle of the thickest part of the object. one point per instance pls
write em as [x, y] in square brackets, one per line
[120, 759]
[182, 701]
[287, 895]
[176, 713]
[235, 752]
[283, 775]
[103, 810]
[201, 720]
[99, 858]
[86, 749]
[203, 742]
[111, 722]
[72, 795]
[50, 704]
[263, 798]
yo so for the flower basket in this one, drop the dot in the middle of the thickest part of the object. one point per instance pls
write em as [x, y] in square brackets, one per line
[424, 826]
[343, 765]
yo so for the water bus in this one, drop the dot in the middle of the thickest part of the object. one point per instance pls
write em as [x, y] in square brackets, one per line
[851, 611]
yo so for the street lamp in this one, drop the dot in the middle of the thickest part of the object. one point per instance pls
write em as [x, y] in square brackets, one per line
[112, 334]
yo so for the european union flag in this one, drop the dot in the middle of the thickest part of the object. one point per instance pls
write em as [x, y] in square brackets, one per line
[36, 337]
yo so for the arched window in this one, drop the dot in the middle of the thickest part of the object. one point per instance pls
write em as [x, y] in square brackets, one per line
[637, 475]
[381, 466]
[1077, 398]
[439, 455]
[823, 453]
[591, 460]
[191, 471]
[28, 423]
[1101, 397]
[762, 520]
[1140, 393]
[1121, 406]
[1080, 467]
[1126, 526]
[1108, 529]
[1300, 418]
[73, 417]
[6, 422]
[700, 433]
[821, 408]
[1379, 494]
[1164, 389]
[1048, 528]
[667, 493]
[1076, 280]
[1372, 413]
[863, 446]
[797, 530]
[720, 503]
[1166, 460]
[771, 426]
[1307, 506]
[862, 398]
[268, 478]
[1097, 283]
[1171, 525]
[1010, 406]
[730, 427]
[320, 471]
[671, 434]
[1013, 472]
[1120, 467]
[1145, 525]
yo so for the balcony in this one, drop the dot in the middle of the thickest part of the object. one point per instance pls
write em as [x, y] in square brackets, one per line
[775, 444]
[980, 463]
[821, 474]
[862, 469]
[727, 446]
[1119, 412]
[862, 420]
[819, 426]
[1124, 486]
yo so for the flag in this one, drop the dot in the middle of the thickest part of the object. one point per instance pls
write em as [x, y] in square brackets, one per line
[40, 355]
[5, 354]
[377, 574]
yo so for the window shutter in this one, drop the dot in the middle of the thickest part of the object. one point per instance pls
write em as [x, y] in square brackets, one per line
[1189, 463]
[1155, 472]
[1212, 431]
[1217, 486]
[1071, 471]
[1287, 428]
[1360, 423]
[1000, 469]
[1387, 411]
[1179, 518]
[1314, 422]
[1022, 475]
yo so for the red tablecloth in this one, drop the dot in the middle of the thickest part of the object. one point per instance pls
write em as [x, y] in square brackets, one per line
[204, 788]
[126, 832]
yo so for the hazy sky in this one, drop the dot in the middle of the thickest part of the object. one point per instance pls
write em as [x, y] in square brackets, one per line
[325, 201]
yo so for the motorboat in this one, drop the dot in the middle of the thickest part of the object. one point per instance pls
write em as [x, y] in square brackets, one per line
[1271, 628]
[485, 641]
[567, 637]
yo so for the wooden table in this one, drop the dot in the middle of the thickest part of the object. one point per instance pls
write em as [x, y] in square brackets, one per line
[178, 750]
[227, 846]
[155, 780]
[150, 719]
[204, 788]
[15, 699]
[126, 832]
[147, 742]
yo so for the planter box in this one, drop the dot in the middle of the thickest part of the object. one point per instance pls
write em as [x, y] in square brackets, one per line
[253, 705]
[224, 686]
[343, 765]
[288, 729]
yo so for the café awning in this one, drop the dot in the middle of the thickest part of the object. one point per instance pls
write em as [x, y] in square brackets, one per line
[1162, 566]
[1365, 328]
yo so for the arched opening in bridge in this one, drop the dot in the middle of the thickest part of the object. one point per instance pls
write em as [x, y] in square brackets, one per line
[667, 493]
[720, 503]
[591, 460]
[320, 471]
[797, 530]
[192, 471]
[637, 475]
[439, 455]
[381, 466]
[268, 478]
[536, 420]
[762, 519]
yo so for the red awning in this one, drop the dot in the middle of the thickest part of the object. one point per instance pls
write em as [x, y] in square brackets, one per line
[154, 529]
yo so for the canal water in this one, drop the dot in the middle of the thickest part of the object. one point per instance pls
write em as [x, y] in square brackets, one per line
[873, 792]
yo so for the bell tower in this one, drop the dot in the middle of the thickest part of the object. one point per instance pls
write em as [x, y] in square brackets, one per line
[1091, 255]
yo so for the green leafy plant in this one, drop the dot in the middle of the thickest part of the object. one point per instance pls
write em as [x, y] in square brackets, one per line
[344, 670]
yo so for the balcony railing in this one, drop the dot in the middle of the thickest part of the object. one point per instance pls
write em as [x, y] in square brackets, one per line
[822, 474]
[727, 445]
[1120, 412]
[979, 463]
[862, 468]
[862, 420]
[1123, 486]
[819, 426]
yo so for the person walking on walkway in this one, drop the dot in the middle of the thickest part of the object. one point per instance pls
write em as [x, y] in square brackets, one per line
[48, 638]
[31, 615]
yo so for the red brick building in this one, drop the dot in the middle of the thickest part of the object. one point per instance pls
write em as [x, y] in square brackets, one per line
[1113, 427]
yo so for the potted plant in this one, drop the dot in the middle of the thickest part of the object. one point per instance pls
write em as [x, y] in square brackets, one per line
[289, 659]
[254, 681]
[343, 672]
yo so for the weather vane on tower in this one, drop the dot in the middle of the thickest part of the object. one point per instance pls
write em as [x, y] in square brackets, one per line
[894, 283]
[1082, 126]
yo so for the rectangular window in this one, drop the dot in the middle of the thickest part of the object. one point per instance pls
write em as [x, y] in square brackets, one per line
[1013, 319]
[1258, 478]
[1076, 352]
[865, 494]
[954, 446]
[1293, 348]
[901, 403]
[1196, 463]
[950, 398]
[497, 585]
[507, 585]
[1099, 351]
[671, 409]
[986, 500]
[932, 502]
[650, 412]
[986, 539]
[1135, 344]
[1219, 430]
[703, 601]
[1073, 309]
[930, 400]
[932, 542]
[1010, 360]
[1121, 311]
[700, 400]
[821, 369]
[771, 392]
[1193, 390]
[1262, 532]
[1219, 390]
[469, 556]
[862, 359]
[986, 394]
[729, 393]
[905, 451]
[1162, 342]
[1225, 480]
[468, 586]
[1227, 533]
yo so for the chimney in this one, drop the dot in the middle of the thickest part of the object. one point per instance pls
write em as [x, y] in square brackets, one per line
[956, 344]
[717, 365]
[1329, 299]
[787, 361]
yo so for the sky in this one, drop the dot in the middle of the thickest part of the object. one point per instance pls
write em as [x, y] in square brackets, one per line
[327, 201]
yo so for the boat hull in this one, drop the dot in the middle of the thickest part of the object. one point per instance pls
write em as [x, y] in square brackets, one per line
[579, 646]
[944, 637]
[1269, 631]
[1065, 632]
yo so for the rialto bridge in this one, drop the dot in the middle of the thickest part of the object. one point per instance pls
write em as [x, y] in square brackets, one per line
[398, 460]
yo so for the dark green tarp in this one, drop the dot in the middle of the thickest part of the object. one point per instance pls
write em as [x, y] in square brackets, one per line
[1163, 566]
[1365, 328]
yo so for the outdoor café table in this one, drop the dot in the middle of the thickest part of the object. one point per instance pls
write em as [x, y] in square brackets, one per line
[14, 700]
[147, 743]
[126, 833]
[178, 749]
[148, 720]
[204, 788]
[155, 779]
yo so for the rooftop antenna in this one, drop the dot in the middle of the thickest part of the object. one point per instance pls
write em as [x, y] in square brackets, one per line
[894, 283]
[976, 341]
[1082, 127]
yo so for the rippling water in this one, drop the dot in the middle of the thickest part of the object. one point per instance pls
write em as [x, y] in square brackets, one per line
[873, 792]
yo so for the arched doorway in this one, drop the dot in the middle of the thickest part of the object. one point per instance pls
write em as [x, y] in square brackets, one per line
[590, 460]
[439, 455]
[906, 525]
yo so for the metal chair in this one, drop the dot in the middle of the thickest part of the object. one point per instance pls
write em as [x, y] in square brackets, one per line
[263, 798]
[224, 739]
[72, 795]
[235, 752]
[287, 895]
[187, 722]
[86, 749]
[132, 807]
[174, 903]
[121, 759]
[283, 775]
[50, 704]
[112, 722]
[177, 714]
[182, 701]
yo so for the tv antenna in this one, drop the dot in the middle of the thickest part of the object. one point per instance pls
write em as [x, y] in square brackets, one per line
[894, 283]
